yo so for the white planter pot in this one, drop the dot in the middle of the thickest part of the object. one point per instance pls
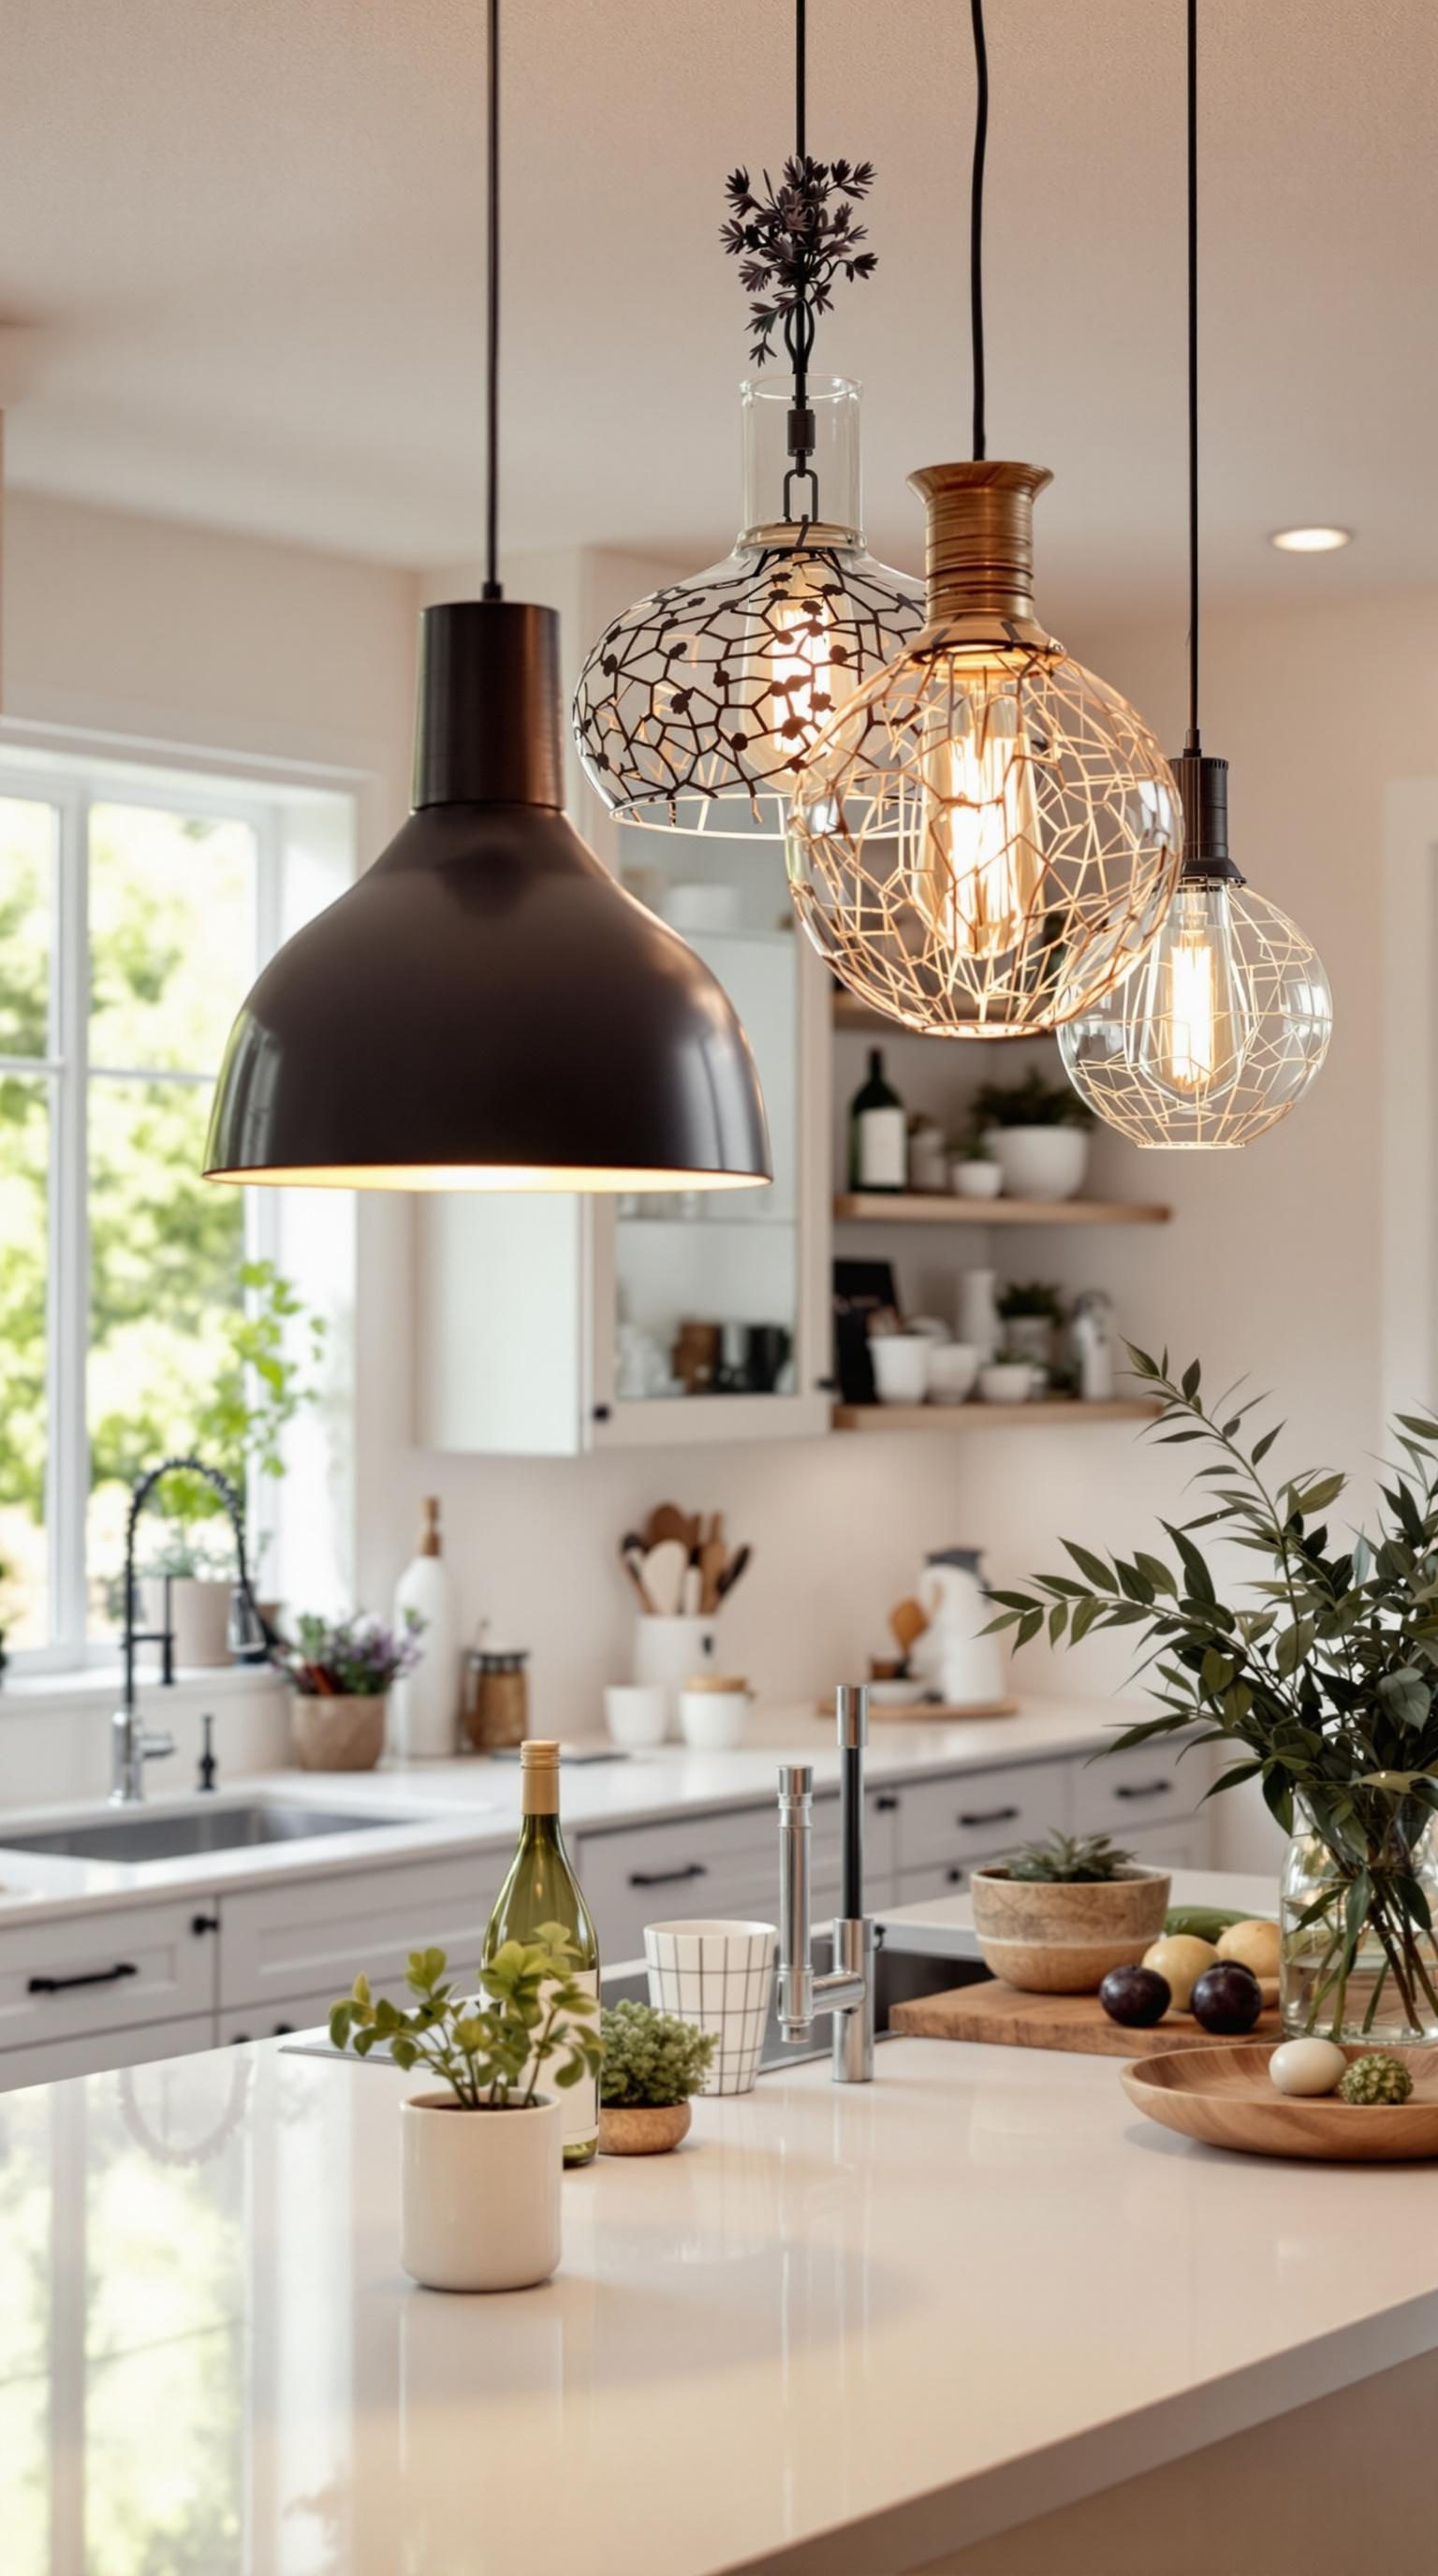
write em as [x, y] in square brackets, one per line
[670, 1652]
[479, 2193]
[1041, 1162]
[199, 1615]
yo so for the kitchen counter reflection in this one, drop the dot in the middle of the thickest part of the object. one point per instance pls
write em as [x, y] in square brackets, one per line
[850, 2328]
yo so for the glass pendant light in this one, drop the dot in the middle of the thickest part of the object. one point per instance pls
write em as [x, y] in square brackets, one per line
[1220, 1030]
[486, 1009]
[986, 837]
[696, 707]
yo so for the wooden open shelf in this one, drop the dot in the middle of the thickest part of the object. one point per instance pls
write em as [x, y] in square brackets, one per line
[900, 1207]
[1044, 1412]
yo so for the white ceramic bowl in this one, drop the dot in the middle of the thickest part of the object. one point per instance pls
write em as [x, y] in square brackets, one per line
[975, 1180]
[636, 1713]
[901, 1367]
[713, 1721]
[953, 1367]
[1040, 1162]
[1006, 1382]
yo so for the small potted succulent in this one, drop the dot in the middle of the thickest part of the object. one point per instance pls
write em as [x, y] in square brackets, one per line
[341, 1671]
[1059, 1914]
[973, 1168]
[1039, 1133]
[1030, 1311]
[652, 2064]
[482, 2159]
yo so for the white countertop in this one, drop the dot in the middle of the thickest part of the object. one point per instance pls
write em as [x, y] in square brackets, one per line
[842, 2332]
[473, 1805]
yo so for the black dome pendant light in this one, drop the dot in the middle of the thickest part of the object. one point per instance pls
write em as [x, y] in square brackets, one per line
[486, 1009]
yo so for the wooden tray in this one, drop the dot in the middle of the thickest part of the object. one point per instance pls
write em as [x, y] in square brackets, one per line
[927, 1711]
[1223, 2096]
[1002, 2017]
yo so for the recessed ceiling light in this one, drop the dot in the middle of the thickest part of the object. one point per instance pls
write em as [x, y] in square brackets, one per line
[1311, 541]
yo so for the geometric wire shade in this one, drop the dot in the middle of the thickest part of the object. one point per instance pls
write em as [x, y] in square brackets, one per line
[987, 837]
[697, 706]
[1152, 1059]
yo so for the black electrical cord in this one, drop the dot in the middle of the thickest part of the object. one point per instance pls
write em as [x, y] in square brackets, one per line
[1192, 743]
[800, 79]
[976, 220]
[492, 587]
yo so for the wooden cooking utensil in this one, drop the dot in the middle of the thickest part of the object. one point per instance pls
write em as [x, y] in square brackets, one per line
[666, 1521]
[731, 1574]
[907, 1623]
[711, 1567]
[631, 1557]
[665, 1567]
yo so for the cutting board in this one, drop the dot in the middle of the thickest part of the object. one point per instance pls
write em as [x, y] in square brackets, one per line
[1002, 2017]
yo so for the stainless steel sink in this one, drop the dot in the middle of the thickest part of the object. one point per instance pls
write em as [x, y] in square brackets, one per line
[210, 1829]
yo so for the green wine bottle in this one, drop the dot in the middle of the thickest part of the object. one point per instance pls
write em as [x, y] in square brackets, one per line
[542, 1888]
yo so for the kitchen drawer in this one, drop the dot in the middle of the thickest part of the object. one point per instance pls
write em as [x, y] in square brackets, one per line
[278, 2021]
[707, 1865]
[99, 2050]
[1187, 1843]
[947, 1878]
[1124, 1793]
[105, 1971]
[980, 1813]
[309, 1936]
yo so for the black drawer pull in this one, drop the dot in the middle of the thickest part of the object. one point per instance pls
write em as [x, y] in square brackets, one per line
[667, 1877]
[1150, 1789]
[204, 1923]
[885, 1804]
[956, 1877]
[991, 1816]
[96, 1977]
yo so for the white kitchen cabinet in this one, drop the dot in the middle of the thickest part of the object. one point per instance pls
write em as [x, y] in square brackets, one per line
[541, 1321]
[1185, 1843]
[1126, 1794]
[56, 2060]
[308, 1937]
[300, 2012]
[106, 1970]
[973, 1814]
[707, 1865]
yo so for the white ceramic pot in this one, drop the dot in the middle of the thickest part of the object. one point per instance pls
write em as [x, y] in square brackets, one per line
[199, 1615]
[1006, 1382]
[953, 1367]
[901, 1367]
[975, 1180]
[636, 1713]
[670, 1651]
[719, 1975]
[712, 1719]
[1040, 1162]
[479, 2193]
[978, 1313]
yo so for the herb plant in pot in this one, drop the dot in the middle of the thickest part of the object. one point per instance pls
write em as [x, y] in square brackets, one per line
[1319, 1682]
[1039, 1134]
[482, 2159]
[1058, 1915]
[1030, 1311]
[341, 1671]
[652, 2064]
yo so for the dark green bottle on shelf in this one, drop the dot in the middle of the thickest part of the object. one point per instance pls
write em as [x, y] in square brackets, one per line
[542, 1888]
[878, 1133]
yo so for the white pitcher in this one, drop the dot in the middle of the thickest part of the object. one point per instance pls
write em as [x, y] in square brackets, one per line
[967, 1669]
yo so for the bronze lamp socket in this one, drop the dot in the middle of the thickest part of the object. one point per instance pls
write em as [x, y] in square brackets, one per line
[979, 546]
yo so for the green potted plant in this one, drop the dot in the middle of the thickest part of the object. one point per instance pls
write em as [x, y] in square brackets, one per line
[1057, 1915]
[1039, 1132]
[482, 2158]
[1318, 1680]
[341, 1670]
[1030, 1311]
[652, 2065]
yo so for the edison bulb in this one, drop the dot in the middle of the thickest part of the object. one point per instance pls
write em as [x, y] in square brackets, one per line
[1193, 1008]
[974, 831]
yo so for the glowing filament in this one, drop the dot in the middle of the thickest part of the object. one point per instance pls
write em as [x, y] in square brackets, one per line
[978, 872]
[1193, 1011]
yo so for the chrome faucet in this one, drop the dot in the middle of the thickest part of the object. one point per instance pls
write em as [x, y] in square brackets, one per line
[847, 1989]
[133, 1744]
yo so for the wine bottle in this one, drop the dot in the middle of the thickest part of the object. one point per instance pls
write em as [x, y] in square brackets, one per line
[542, 1888]
[878, 1133]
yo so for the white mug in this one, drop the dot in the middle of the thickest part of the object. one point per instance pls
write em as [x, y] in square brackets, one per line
[636, 1713]
[713, 1721]
[901, 1362]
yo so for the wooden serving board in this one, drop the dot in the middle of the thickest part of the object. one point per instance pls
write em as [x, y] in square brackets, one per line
[927, 1711]
[1002, 2017]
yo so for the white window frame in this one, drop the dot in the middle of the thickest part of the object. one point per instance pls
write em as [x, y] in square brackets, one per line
[71, 790]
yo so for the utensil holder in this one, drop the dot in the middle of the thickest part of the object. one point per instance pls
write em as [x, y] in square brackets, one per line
[668, 1651]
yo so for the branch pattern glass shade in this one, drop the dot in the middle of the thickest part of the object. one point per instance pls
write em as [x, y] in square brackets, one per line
[1215, 1036]
[985, 839]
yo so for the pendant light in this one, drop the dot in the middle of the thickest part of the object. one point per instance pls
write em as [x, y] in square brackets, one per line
[984, 811]
[486, 1009]
[696, 706]
[1220, 1030]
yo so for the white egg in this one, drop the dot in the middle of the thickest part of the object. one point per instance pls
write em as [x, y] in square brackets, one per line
[1307, 2066]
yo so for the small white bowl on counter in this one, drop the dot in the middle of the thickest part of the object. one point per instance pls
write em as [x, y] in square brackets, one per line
[714, 1711]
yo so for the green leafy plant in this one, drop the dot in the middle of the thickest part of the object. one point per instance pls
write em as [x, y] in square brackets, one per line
[1070, 1860]
[1323, 1686]
[650, 2058]
[1030, 1297]
[350, 1658]
[490, 2048]
[1032, 1102]
[975, 1147]
[253, 1398]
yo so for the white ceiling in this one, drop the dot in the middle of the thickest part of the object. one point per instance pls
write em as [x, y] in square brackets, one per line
[248, 235]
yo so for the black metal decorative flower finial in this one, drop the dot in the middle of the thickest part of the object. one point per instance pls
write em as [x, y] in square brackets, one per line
[796, 241]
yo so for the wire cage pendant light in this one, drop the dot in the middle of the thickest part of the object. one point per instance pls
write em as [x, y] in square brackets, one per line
[1217, 1035]
[696, 707]
[987, 836]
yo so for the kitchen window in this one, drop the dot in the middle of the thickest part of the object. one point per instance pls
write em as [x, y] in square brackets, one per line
[133, 915]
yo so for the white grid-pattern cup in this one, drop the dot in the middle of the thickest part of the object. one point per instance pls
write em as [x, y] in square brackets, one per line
[720, 1976]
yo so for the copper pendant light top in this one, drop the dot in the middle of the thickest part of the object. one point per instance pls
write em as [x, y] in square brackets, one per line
[979, 545]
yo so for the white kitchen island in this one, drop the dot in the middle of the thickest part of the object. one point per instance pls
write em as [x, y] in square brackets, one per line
[845, 2332]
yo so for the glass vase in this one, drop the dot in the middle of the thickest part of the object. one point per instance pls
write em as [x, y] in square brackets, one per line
[1359, 1961]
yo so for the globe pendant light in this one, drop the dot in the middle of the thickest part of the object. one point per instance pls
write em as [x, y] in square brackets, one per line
[696, 706]
[987, 836]
[1220, 1030]
[486, 1009]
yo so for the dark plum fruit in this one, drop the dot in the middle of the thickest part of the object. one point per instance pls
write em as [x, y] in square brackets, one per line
[1137, 1997]
[1227, 1999]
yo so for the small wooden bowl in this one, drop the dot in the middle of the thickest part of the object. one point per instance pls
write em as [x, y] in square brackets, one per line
[1223, 2095]
[643, 2129]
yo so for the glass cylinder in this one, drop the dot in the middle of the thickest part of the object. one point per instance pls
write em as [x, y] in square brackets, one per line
[1358, 1961]
[827, 492]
